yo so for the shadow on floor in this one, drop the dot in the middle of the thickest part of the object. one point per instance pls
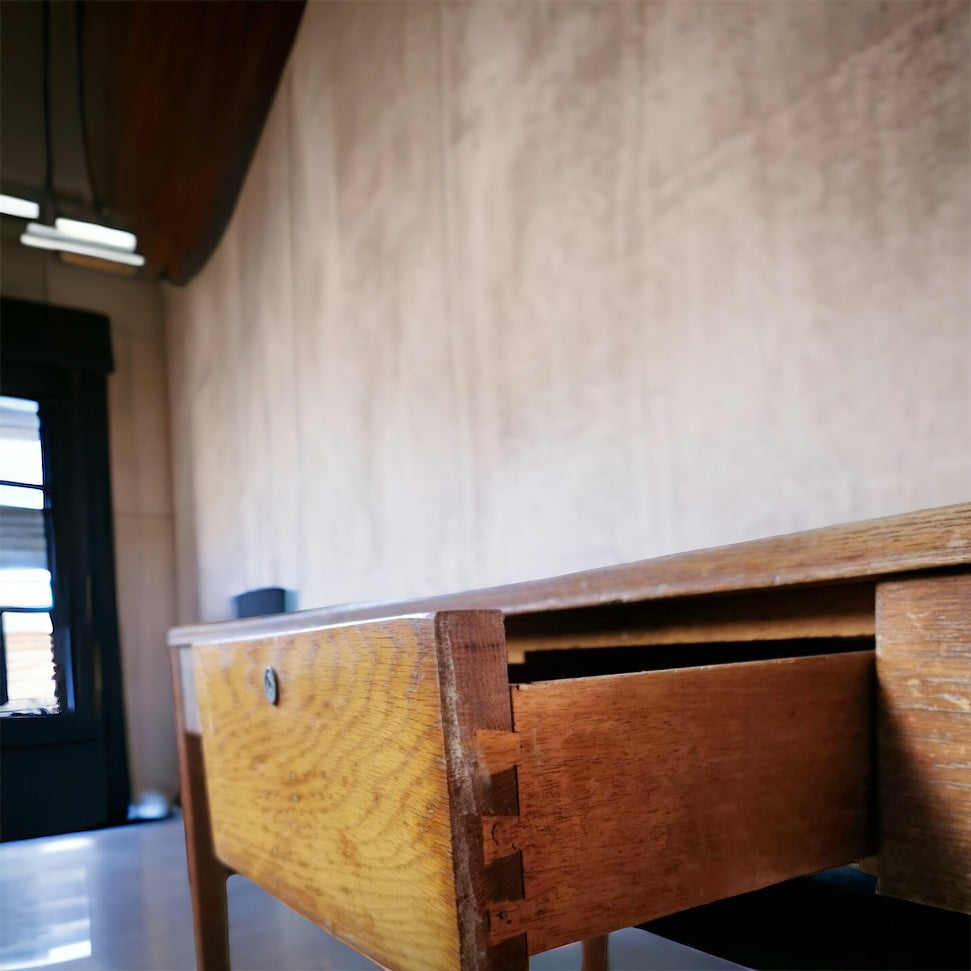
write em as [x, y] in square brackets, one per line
[826, 921]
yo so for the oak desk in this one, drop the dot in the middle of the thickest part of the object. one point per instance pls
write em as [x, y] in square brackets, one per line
[462, 781]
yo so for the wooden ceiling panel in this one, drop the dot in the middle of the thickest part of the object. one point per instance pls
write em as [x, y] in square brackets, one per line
[175, 95]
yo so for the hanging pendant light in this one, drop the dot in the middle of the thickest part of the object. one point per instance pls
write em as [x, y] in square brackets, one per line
[85, 243]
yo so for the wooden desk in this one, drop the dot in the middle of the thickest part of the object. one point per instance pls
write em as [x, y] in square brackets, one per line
[420, 779]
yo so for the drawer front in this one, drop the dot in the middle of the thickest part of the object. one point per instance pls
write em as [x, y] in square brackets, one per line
[644, 794]
[327, 781]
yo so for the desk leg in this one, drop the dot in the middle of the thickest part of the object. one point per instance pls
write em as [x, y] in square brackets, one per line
[207, 875]
[594, 954]
[924, 679]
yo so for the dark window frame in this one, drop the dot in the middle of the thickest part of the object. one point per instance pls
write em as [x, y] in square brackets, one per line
[61, 358]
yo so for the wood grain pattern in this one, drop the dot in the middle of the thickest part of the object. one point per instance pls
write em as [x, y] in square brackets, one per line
[646, 794]
[176, 195]
[336, 799]
[207, 874]
[475, 700]
[924, 678]
[498, 751]
[929, 539]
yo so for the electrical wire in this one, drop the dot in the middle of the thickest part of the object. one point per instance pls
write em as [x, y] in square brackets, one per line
[79, 14]
[50, 199]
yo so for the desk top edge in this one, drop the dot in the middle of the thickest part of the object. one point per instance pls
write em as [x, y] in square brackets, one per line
[911, 542]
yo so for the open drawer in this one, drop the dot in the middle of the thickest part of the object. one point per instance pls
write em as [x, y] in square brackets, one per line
[386, 780]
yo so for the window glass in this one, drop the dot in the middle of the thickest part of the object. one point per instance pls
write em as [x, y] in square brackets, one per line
[20, 452]
[25, 579]
[21, 497]
[25, 588]
[27, 639]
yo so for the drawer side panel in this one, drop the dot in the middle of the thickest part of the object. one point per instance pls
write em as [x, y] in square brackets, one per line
[335, 799]
[924, 678]
[644, 794]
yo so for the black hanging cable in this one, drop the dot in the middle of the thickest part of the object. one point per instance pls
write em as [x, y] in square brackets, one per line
[50, 200]
[79, 13]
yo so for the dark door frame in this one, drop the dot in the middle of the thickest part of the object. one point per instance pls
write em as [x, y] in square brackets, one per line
[69, 771]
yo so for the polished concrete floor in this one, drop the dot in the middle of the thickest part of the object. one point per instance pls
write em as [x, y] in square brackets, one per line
[117, 900]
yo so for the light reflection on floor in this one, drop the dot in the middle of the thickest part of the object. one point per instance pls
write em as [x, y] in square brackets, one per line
[45, 916]
[118, 900]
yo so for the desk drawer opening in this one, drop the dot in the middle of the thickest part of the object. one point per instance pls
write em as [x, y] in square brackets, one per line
[551, 665]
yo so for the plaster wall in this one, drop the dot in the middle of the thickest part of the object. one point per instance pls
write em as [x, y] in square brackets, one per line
[515, 289]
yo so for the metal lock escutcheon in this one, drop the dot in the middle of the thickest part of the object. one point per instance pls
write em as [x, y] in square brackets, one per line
[271, 687]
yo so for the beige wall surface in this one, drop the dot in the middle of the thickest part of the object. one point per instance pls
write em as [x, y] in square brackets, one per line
[515, 289]
[141, 486]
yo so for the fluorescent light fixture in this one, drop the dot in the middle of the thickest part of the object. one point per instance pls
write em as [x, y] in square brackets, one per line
[93, 233]
[46, 237]
[22, 208]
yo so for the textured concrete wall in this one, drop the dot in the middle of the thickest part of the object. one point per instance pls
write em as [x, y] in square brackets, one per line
[515, 289]
[141, 489]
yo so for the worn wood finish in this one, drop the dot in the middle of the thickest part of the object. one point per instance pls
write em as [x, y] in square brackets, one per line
[646, 794]
[791, 614]
[336, 799]
[536, 815]
[476, 704]
[929, 539]
[924, 676]
[184, 676]
[207, 875]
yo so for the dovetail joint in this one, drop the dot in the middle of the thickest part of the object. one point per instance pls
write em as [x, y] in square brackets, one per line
[507, 918]
[500, 750]
[501, 836]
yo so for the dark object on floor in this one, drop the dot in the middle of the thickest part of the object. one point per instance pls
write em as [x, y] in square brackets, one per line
[829, 920]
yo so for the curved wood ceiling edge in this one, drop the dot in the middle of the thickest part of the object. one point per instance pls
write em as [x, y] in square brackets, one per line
[175, 95]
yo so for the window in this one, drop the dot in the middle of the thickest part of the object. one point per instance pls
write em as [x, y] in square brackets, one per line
[63, 755]
[31, 680]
